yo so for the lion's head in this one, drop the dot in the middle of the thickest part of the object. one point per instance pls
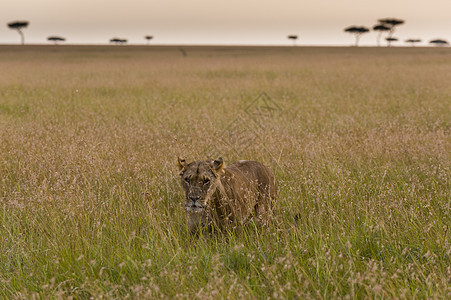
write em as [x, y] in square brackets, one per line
[199, 181]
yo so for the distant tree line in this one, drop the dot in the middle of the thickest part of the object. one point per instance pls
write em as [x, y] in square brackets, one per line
[20, 25]
[389, 26]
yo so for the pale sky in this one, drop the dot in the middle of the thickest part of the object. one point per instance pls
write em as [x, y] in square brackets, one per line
[227, 22]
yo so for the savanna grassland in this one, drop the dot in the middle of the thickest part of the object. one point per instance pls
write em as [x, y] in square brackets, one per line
[359, 140]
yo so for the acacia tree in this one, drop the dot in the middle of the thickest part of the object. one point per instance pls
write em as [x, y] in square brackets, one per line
[358, 31]
[294, 38]
[412, 42]
[391, 23]
[118, 41]
[381, 28]
[390, 40]
[439, 42]
[55, 39]
[19, 25]
[148, 38]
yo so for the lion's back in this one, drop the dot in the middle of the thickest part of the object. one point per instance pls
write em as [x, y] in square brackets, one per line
[255, 172]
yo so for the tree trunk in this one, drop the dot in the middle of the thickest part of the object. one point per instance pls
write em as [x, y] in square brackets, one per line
[22, 37]
[357, 37]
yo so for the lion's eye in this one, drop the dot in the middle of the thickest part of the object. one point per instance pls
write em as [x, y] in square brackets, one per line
[206, 181]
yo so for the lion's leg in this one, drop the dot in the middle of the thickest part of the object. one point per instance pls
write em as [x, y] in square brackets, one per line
[260, 211]
[264, 209]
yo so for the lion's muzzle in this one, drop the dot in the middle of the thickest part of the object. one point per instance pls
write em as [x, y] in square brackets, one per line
[194, 204]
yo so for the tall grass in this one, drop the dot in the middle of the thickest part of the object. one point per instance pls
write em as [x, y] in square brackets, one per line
[89, 195]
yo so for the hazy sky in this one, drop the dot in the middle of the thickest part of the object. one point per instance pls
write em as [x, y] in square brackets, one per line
[317, 22]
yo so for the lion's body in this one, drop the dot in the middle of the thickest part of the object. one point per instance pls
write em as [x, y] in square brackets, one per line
[239, 192]
[249, 190]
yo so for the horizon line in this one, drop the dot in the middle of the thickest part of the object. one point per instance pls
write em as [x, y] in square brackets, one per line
[62, 44]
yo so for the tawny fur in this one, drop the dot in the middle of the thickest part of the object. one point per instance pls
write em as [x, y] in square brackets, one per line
[227, 196]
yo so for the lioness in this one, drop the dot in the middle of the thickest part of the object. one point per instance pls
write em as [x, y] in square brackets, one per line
[225, 196]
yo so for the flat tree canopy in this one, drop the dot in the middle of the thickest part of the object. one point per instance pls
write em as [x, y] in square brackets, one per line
[439, 42]
[381, 27]
[56, 39]
[413, 41]
[391, 22]
[118, 41]
[356, 29]
[18, 24]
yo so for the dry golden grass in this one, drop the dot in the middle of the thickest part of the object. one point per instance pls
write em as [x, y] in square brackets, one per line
[359, 139]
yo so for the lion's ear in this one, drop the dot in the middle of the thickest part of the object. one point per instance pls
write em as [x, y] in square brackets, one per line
[218, 165]
[181, 164]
